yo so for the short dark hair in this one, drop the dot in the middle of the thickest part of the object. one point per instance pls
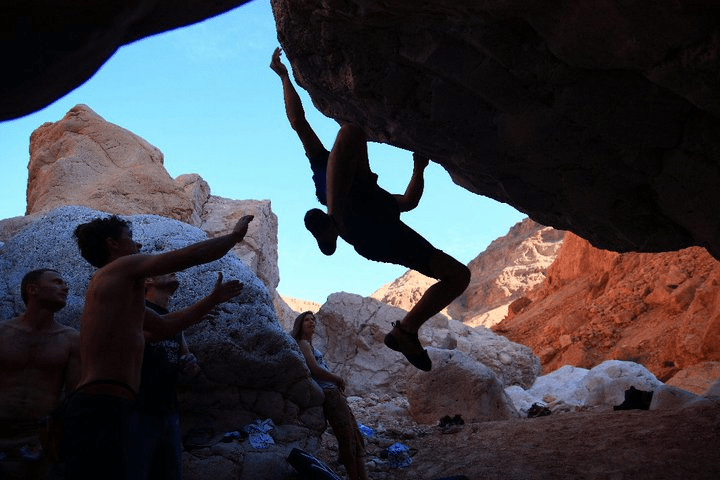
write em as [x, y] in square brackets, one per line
[91, 238]
[32, 277]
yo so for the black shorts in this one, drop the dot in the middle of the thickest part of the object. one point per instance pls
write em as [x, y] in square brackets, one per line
[101, 437]
[389, 240]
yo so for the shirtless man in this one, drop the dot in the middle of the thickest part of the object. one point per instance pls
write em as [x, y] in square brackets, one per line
[101, 424]
[368, 218]
[39, 359]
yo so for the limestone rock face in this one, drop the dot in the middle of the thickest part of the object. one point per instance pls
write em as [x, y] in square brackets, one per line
[65, 42]
[405, 291]
[599, 118]
[509, 268]
[661, 310]
[84, 160]
[259, 251]
[251, 369]
[350, 334]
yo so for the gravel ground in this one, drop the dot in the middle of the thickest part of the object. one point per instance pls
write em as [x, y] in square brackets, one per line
[598, 444]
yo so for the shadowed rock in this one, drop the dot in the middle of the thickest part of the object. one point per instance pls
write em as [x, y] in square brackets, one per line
[597, 118]
[54, 47]
[602, 118]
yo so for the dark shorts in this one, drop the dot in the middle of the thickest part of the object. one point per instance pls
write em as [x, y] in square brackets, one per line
[373, 227]
[318, 164]
[101, 437]
[389, 240]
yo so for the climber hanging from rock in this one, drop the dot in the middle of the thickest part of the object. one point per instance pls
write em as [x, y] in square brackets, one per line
[368, 218]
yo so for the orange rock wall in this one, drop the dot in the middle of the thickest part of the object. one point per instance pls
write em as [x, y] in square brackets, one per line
[661, 310]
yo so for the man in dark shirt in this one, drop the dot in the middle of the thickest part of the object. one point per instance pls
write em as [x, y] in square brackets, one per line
[163, 362]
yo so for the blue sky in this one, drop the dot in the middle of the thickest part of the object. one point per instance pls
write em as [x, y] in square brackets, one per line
[205, 96]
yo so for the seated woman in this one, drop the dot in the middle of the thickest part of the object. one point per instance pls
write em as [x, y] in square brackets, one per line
[337, 412]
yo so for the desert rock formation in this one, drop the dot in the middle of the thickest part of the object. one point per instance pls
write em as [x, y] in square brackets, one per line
[84, 160]
[405, 291]
[351, 329]
[252, 369]
[660, 310]
[510, 267]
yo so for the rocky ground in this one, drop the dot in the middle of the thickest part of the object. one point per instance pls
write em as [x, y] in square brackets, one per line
[596, 444]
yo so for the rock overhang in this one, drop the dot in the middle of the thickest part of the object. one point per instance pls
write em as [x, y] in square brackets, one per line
[601, 119]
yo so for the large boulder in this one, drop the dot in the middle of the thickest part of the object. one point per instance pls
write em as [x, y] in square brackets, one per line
[458, 385]
[697, 378]
[251, 369]
[600, 118]
[82, 159]
[351, 329]
[667, 397]
[602, 386]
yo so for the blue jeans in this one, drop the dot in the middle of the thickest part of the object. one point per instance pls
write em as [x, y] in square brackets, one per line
[161, 445]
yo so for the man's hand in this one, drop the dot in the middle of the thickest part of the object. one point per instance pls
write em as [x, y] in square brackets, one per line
[276, 65]
[241, 227]
[420, 160]
[225, 291]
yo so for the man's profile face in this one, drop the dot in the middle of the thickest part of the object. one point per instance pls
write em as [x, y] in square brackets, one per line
[51, 290]
[126, 244]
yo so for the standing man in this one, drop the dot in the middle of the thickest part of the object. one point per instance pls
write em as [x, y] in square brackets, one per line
[368, 218]
[101, 423]
[39, 361]
[163, 361]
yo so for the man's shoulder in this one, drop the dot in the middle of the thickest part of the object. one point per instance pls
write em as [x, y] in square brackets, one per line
[10, 323]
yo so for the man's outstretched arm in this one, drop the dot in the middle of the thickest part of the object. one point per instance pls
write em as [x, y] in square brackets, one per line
[294, 109]
[141, 266]
[159, 327]
[411, 198]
